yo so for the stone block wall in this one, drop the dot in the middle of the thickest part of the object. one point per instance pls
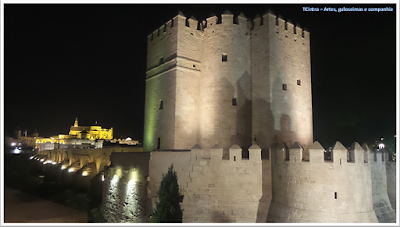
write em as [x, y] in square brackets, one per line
[382, 205]
[284, 188]
[391, 182]
[317, 190]
[125, 188]
[281, 78]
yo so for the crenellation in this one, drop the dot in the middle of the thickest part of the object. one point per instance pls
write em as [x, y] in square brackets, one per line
[316, 153]
[339, 154]
[295, 153]
[235, 153]
[211, 21]
[242, 19]
[257, 21]
[227, 17]
[366, 153]
[356, 153]
[193, 23]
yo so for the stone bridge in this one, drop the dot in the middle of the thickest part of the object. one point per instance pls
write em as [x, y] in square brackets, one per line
[78, 166]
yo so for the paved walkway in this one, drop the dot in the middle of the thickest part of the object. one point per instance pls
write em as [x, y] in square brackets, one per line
[20, 207]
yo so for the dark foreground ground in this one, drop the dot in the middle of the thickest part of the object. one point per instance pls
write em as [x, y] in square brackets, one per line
[20, 207]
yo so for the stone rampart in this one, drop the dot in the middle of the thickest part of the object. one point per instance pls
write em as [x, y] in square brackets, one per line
[284, 188]
[318, 190]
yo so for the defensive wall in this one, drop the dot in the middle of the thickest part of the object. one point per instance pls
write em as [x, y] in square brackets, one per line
[280, 188]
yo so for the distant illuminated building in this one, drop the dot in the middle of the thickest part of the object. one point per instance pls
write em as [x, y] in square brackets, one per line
[90, 132]
[127, 141]
[79, 137]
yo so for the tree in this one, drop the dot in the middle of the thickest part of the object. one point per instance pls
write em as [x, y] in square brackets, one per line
[168, 208]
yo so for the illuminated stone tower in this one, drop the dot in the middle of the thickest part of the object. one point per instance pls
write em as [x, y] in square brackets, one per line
[227, 81]
[281, 82]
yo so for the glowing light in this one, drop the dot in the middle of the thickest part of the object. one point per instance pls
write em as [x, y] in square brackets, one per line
[16, 151]
[381, 146]
[128, 138]
[71, 170]
[114, 181]
[102, 178]
[42, 160]
[63, 167]
[131, 185]
[13, 144]
[31, 157]
[54, 163]
[85, 173]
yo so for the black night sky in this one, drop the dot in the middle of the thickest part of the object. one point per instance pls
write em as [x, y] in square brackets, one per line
[63, 61]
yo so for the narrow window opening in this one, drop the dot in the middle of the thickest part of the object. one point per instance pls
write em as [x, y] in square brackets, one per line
[161, 61]
[224, 57]
[340, 161]
[261, 22]
[158, 32]
[194, 66]
[234, 158]
[294, 30]
[286, 153]
[234, 102]
[284, 87]
[187, 22]
[302, 34]
[172, 23]
[161, 105]
[158, 143]
[255, 139]
[335, 195]
[165, 28]
[299, 82]
[276, 21]
[285, 25]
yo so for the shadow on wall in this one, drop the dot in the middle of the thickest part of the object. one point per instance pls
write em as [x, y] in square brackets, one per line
[220, 217]
[243, 115]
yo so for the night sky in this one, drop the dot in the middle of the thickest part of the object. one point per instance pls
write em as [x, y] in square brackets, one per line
[63, 61]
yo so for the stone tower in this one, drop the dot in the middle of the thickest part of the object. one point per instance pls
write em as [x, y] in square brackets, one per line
[227, 81]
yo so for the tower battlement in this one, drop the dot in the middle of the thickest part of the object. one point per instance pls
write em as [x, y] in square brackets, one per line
[339, 155]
